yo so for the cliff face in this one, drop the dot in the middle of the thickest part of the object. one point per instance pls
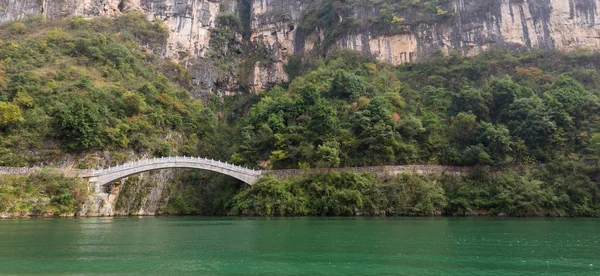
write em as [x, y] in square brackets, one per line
[280, 27]
[189, 21]
[145, 194]
[469, 26]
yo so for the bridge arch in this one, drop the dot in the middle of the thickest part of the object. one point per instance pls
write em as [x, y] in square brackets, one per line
[105, 176]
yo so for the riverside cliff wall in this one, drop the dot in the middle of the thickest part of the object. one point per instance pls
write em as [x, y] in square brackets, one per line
[282, 28]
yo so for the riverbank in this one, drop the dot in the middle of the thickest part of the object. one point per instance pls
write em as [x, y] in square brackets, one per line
[559, 189]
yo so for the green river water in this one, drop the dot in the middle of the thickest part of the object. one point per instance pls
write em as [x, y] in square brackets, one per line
[299, 246]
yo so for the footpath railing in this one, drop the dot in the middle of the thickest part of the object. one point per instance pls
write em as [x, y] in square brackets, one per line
[377, 169]
[25, 171]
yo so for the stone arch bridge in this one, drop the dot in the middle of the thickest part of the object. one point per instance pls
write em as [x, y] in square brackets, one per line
[105, 176]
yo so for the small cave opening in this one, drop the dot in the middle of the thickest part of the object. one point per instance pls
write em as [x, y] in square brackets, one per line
[121, 5]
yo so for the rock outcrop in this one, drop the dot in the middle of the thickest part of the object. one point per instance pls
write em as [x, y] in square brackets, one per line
[145, 194]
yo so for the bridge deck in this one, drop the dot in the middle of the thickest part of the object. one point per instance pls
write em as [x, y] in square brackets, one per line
[105, 176]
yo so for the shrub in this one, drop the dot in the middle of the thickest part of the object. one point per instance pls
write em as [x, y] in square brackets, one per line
[10, 114]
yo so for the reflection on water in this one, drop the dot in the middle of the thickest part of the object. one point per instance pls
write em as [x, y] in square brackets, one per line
[308, 246]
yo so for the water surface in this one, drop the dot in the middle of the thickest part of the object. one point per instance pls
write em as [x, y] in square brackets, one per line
[299, 246]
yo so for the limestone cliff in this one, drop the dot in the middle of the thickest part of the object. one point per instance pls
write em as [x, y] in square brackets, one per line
[145, 194]
[467, 26]
[281, 27]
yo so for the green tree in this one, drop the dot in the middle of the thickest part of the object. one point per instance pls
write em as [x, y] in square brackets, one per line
[463, 128]
[23, 100]
[470, 100]
[323, 121]
[328, 155]
[10, 115]
[347, 86]
[504, 92]
[309, 97]
[593, 149]
[531, 121]
[134, 103]
[80, 126]
[379, 109]
[571, 107]
[437, 99]
[411, 127]
[476, 155]
[496, 139]
[373, 129]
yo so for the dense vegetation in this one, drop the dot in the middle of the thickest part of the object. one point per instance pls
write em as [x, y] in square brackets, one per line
[88, 87]
[558, 189]
[97, 91]
[84, 86]
[495, 109]
[43, 194]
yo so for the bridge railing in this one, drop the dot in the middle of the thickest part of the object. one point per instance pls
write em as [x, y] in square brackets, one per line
[202, 160]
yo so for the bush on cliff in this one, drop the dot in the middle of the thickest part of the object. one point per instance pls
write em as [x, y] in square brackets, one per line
[90, 85]
[41, 194]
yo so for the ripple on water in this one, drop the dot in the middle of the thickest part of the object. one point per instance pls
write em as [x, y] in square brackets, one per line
[307, 246]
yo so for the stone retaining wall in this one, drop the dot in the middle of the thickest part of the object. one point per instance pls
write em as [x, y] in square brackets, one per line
[383, 171]
[26, 171]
